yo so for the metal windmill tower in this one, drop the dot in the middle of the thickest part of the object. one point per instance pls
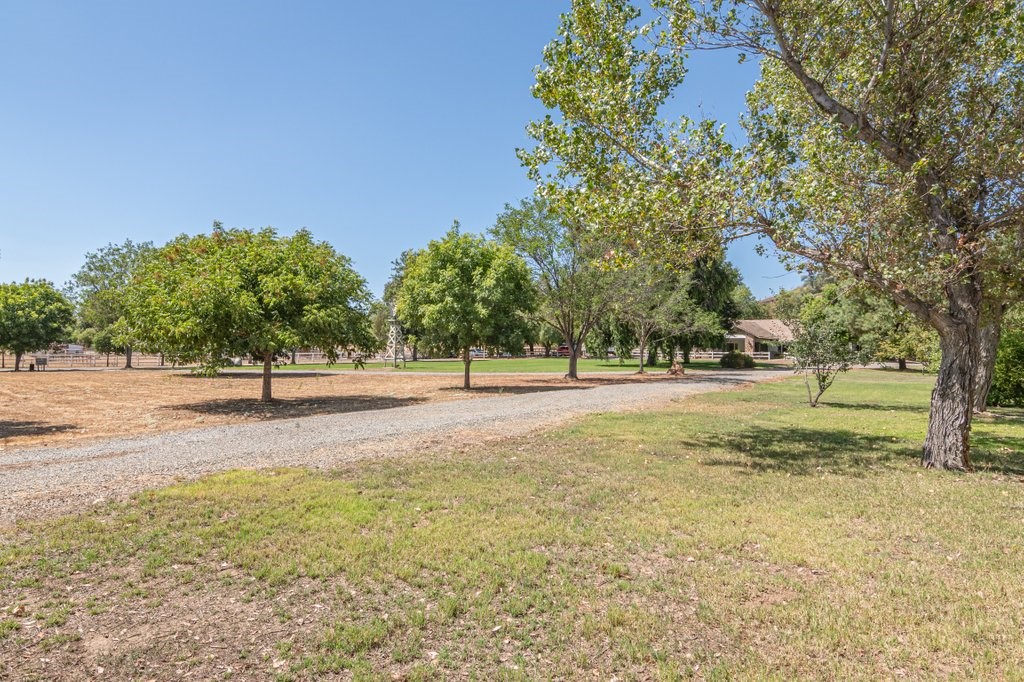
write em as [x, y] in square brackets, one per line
[396, 341]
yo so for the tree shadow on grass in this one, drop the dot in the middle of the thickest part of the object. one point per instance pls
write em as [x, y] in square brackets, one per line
[804, 451]
[876, 407]
[288, 408]
[27, 429]
[997, 454]
[807, 451]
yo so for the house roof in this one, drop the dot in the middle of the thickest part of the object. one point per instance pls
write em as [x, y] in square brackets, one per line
[768, 330]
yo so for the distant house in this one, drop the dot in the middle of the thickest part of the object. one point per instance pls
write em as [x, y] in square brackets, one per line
[759, 336]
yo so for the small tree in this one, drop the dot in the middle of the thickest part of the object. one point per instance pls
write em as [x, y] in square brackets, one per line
[464, 291]
[241, 292]
[99, 289]
[33, 315]
[823, 344]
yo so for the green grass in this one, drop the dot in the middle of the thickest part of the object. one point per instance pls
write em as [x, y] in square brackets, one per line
[510, 365]
[736, 535]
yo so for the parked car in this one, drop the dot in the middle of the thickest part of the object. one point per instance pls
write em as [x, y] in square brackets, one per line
[562, 352]
[477, 353]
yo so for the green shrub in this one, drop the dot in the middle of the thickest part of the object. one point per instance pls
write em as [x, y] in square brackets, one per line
[736, 360]
[1008, 376]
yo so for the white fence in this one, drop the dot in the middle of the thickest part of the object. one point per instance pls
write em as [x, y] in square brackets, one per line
[79, 360]
[717, 354]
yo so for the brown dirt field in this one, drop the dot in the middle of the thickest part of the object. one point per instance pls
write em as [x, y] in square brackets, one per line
[63, 407]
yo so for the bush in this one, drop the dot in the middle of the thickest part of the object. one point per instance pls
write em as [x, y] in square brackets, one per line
[1008, 376]
[736, 360]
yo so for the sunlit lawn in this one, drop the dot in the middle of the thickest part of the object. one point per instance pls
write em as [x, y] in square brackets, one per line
[737, 535]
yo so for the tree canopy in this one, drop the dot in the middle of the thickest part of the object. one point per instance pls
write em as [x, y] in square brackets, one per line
[234, 292]
[99, 289]
[575, 288]
[33, 315]
[465, 291]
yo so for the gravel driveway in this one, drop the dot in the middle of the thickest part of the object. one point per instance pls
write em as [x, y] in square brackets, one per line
[43, 481]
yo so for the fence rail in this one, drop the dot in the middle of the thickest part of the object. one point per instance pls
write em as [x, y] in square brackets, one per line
[717, 354]
[80, 360]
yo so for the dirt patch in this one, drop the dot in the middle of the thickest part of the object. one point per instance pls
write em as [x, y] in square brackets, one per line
[55, 408]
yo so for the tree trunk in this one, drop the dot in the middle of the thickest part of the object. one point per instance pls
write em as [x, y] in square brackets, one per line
[128, 357]
[643, 348]
[988, 345]
[686, 354]
[947, 445]
[17, 362]
[652, 356]
[268, 366]
[902, 364]
[295, 351]
[573, 357]
[466, 359]
[547, 350]
[415, 352]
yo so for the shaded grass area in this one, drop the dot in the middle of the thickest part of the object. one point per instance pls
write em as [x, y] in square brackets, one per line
[736, 535]
[511, 365]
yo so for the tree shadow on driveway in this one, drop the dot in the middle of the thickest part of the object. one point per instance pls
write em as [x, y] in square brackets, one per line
[289, 408]
[26, 429]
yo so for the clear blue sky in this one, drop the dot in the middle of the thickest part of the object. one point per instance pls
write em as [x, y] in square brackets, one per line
[372, 124]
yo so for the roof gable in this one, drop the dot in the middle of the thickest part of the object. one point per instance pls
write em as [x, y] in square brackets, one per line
[768, 330]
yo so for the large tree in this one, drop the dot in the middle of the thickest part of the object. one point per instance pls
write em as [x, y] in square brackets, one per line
[464, 291]
[33, 315]
[884, 142]
[209, 297]
[575, 288]
[99, 289]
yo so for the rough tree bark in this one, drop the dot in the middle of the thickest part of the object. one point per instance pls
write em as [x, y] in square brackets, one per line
[128, 357]
[988, 346]
[947, 444]
[268, 366]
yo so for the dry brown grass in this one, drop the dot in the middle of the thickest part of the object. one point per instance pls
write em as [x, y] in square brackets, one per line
[63, 407]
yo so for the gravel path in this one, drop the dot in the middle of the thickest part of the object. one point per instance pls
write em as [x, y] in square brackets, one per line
[43, 481]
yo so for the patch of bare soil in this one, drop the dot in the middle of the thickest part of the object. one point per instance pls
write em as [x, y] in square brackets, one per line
[64, 407]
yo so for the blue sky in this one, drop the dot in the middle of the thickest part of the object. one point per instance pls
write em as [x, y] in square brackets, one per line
[374, 125]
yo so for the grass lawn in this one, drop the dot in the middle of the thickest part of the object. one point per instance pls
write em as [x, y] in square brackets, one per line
[517, 365]
[735, 535]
